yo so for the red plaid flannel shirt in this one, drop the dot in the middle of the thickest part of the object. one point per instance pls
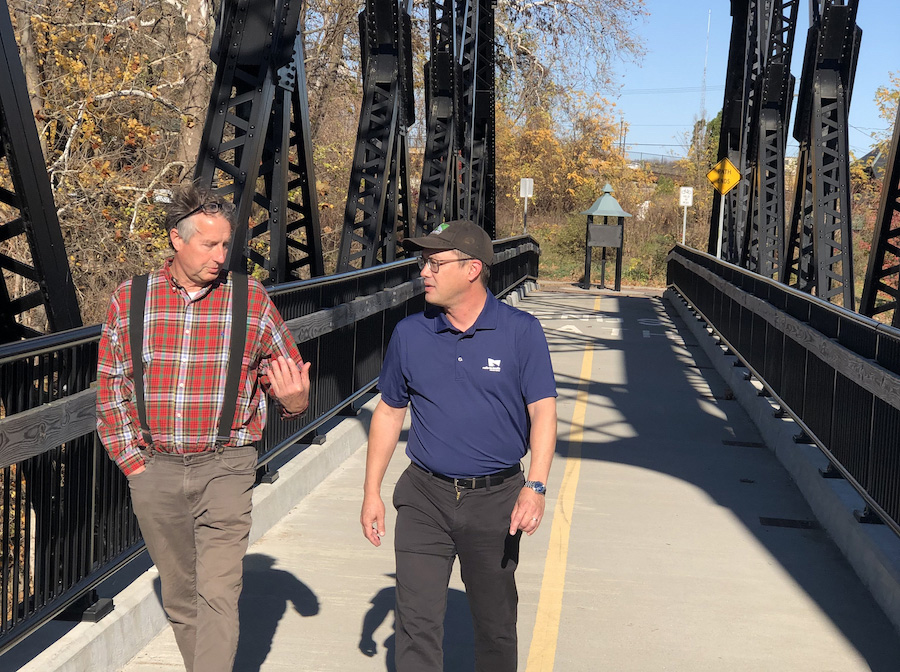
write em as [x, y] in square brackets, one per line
[186, 346]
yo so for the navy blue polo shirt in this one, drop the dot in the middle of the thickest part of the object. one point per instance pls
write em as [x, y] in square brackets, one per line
[468, 391]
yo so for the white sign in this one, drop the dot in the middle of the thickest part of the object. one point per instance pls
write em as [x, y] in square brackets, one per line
[687, 197]
[526, 187]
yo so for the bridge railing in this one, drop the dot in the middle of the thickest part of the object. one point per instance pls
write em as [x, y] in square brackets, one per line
[65, 512]
[835, 372]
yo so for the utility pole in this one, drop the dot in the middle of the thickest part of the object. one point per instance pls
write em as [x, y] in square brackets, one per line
[703, 83]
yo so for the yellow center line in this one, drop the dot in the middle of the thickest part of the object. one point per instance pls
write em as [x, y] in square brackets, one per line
[546, 627]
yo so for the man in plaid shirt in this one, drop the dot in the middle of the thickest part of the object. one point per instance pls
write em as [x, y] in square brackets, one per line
[191, 490]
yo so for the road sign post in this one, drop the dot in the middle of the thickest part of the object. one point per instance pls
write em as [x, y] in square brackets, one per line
[526, 189]
[686, 200]
[724, 177]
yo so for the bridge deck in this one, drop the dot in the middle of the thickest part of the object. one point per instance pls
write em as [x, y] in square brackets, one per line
[667, 544]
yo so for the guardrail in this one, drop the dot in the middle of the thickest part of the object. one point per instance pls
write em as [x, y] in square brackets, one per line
[65, 512]
[835, 372]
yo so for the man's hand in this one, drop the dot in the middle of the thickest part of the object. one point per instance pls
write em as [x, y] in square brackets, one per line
[137, 470]
[527, 513]
[290, 383]
[372, 518]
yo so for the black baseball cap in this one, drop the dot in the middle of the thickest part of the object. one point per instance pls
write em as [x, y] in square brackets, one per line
[460, 234]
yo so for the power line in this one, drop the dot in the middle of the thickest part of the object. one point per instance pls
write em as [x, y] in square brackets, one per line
[682, 89]
[868, 132]
[652, 144]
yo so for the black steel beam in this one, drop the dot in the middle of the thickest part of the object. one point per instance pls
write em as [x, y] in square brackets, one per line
[459, 164]
[729, 133]
[798, 270]
[42, 274]
[742, 202]
[256, 146]
[476, 201]
[881, 291]
[378, 193]
[240, 106]
[767, 139]
[486, 106]
[821, 125]
[288, 201]
[831, 188]
[743, 66]
[438, 198]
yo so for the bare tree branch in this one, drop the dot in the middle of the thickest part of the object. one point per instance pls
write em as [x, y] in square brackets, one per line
[149, 188]
[64, 157]
[139, 94]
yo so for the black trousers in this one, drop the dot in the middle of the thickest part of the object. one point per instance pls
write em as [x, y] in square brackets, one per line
[433, 527]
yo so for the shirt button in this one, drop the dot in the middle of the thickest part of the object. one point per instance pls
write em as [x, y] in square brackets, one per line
[180, 384]
[459, 359]
[187, 331]
[178, 415]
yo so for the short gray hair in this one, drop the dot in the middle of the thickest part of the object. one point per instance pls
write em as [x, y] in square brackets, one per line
[189, 200]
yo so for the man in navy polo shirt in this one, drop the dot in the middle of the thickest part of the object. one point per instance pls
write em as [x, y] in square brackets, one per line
[477, 375]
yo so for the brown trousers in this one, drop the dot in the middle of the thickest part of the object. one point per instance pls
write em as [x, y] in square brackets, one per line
[194, 513]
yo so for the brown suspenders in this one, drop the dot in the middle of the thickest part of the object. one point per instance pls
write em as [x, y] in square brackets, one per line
[239, 301]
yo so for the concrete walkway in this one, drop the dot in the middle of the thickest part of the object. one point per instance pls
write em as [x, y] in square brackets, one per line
[672, 540]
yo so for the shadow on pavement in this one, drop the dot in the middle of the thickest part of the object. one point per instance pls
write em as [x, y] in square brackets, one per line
[265, 598]
[459, 638]
[662, 422]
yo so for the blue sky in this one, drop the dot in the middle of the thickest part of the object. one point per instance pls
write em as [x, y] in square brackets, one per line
[674, 36]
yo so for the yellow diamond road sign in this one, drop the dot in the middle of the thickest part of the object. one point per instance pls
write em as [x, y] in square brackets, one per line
[724, 176]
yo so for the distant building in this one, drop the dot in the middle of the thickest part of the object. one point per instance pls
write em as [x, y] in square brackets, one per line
[874, 163]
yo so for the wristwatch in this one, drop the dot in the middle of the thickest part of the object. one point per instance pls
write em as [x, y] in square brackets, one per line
[537, 486]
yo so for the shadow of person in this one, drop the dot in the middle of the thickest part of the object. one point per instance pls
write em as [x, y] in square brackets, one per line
[459, 637]
[382, 606]
[264, 599]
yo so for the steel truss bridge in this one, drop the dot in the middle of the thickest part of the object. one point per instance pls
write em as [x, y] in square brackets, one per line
[66, 517]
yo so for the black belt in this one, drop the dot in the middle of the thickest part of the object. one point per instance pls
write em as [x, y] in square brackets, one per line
[477, 481]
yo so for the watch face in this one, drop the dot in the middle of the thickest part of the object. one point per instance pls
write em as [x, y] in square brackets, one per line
[537, 486]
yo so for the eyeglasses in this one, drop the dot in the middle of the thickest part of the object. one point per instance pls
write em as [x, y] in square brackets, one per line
[225, 209]
[434, 265]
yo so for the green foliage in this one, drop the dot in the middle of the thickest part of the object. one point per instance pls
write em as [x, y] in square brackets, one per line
[665, 186]
[570, 235]
[634, 272]
[713, 131]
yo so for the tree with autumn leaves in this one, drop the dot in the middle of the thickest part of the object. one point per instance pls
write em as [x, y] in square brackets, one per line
[115, 94]
[119, 90]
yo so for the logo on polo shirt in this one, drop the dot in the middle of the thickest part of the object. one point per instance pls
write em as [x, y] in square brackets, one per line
[492, 365]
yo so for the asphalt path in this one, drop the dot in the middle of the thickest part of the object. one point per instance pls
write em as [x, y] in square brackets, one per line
[673, 538]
